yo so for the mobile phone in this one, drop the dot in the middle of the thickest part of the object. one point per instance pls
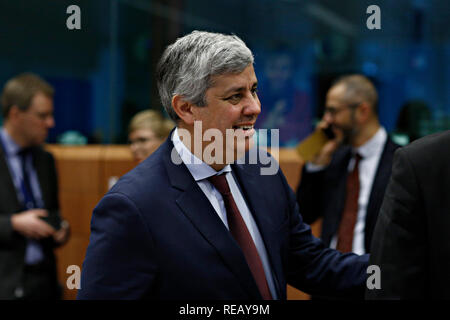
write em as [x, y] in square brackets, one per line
[311, 145]
[329, 133]
[53, 220]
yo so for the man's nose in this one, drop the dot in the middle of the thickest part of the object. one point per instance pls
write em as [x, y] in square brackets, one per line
[50, 122]
[327, 118]
[133, 147]
[253, 105]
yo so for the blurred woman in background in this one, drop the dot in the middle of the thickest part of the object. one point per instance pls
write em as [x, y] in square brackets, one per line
[147, 130]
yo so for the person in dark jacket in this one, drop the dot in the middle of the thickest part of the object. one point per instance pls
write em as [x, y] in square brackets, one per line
[30, 223]
[346, 181]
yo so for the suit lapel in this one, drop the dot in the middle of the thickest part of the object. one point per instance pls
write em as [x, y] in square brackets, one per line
[9, 191]
[197, 208]
[379, 183]
[42, 174]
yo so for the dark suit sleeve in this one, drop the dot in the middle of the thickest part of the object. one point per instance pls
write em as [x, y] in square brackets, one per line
[49, 188]
[7, 194]
[310, 194]
[6, 230]
[398, 245]
[119, 262]
[48, 180]
[318, 270]
[53, 202]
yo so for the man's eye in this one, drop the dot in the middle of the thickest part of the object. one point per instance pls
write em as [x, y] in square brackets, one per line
[331, 111]
[43, 116]
[234, 98]
[139, 141]
[254, 91]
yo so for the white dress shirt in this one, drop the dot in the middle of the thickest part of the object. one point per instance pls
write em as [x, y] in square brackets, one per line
[200, 171]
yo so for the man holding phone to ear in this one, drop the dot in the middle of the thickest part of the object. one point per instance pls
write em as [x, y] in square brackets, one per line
[345, 182]
[30, 224]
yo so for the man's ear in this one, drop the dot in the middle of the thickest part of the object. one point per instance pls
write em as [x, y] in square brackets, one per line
[183, 109]
[14, 111]
[363, 111]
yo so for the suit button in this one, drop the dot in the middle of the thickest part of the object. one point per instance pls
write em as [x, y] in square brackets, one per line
[18, 292]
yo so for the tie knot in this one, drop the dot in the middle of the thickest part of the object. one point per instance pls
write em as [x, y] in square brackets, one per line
[24, 152]
[357, 158]
[220, 183]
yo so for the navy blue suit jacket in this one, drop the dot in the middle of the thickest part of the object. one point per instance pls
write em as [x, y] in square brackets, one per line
[155, 235]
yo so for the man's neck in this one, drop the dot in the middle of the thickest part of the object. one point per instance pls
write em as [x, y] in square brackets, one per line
[366, 134]
[198, 152]
[15, 136]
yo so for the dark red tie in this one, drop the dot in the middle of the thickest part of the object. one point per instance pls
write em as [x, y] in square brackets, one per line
[348, 220]
[241, 234]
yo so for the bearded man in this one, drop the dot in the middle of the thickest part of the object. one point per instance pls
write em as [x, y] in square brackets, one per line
[345, 183]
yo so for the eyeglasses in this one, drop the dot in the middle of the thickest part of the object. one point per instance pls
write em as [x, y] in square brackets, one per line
[333, 111]
[139, 141]
[43, 116]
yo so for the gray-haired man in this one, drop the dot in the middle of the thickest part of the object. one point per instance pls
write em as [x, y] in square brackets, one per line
[189, 223]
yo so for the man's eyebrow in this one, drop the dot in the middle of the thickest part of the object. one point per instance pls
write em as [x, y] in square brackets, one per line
[237, 89]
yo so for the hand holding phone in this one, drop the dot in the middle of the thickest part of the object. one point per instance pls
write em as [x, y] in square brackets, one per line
[319, 146]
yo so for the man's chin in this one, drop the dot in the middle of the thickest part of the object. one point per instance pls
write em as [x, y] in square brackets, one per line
[342, 135]
[229, 154]
[347, 137]
[242, 149]
[37, 143]
[244, 134]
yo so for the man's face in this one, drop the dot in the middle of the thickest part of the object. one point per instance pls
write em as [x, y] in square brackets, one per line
[232, 103]
[143, 142]
[340, 115]
[35, 122]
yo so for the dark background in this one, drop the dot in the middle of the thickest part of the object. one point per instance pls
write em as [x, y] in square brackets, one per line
[103, 73]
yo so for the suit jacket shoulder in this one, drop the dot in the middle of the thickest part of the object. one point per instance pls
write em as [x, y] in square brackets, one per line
[432, 148]
[410, 242]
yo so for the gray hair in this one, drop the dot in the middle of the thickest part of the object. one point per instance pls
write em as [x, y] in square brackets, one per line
[187, 66]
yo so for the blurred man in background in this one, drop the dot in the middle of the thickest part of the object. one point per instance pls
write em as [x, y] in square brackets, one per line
[345, 182]
[30, 224]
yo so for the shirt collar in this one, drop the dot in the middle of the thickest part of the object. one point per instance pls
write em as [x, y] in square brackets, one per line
[374, 145]
[198, 169]
[11, 148]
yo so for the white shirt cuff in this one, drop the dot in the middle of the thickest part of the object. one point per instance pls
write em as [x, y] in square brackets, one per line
[311, 167]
